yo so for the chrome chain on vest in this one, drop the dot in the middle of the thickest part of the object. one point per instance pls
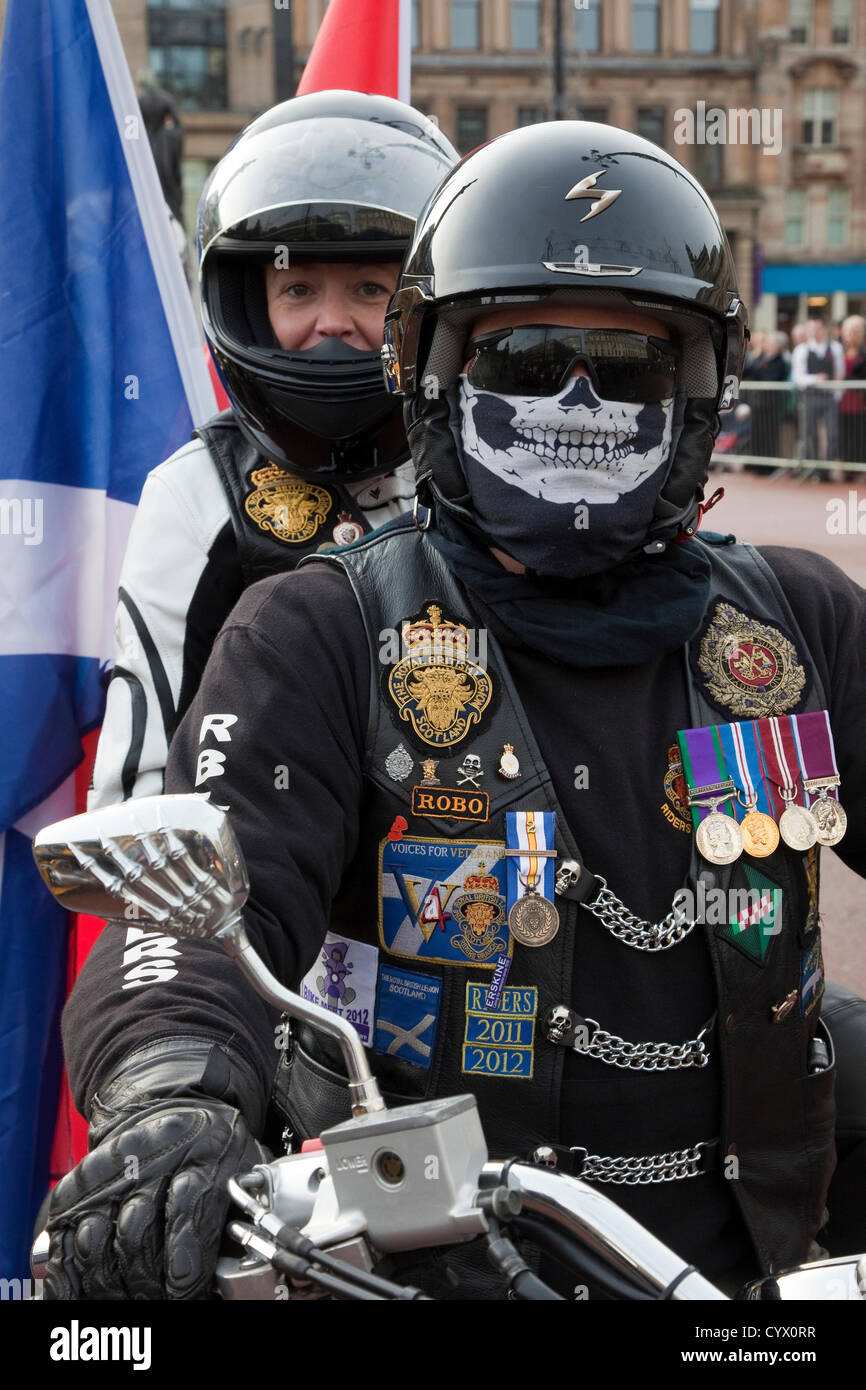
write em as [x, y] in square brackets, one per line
[667, 1167]
[634, 931]
[644, 1056]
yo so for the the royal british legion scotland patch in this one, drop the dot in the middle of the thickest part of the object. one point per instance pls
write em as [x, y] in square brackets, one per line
[437, 687]
[286, 507]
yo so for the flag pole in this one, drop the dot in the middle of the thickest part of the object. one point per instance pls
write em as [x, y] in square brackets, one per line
[404, 58]
[153, 211]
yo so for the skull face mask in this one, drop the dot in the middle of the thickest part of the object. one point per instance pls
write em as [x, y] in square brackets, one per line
[567, 484]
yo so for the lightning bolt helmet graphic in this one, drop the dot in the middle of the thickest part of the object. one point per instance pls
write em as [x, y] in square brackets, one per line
[586, 189]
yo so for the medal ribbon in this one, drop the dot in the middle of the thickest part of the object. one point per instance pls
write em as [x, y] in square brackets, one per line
[782, 761]
[743, 759]
[704, 766]
[528, 831]
[817, 755]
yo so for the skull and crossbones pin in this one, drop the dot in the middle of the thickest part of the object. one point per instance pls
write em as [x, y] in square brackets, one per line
[469, 770]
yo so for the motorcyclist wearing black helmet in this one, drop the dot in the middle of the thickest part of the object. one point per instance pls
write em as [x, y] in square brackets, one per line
[566, 328]
[302, 227]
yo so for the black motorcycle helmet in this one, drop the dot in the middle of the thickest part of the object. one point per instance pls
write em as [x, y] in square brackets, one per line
[330, 176]
[568, 212]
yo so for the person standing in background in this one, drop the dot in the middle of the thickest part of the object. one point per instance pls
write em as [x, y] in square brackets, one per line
[852, 407]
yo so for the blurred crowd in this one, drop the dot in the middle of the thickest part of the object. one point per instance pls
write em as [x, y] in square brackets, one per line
[809, 421]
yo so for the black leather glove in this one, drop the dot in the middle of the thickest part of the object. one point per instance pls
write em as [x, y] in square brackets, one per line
[142, 1216]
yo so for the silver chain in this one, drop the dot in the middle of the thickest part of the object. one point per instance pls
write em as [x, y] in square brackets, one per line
[634, 931]
[643, 1056]
[668, 1167]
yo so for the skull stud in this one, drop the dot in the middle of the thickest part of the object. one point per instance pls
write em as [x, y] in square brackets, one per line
[559, 1024]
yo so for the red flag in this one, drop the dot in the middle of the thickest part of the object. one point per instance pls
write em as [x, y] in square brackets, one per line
[361, 46]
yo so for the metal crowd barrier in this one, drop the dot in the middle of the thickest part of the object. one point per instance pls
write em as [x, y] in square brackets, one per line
[779, 426]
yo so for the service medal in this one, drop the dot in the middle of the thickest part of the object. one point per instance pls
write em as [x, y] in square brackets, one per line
[820, 772]
[798, 827]
[533, 920]
[719, 838]
[760, 834]
[831, 819]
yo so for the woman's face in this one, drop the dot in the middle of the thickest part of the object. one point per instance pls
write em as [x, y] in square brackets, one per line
[330, 299]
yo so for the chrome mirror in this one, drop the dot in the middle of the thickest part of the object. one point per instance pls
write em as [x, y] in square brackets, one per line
[170, 861]
[841, 1278]
[174, 862]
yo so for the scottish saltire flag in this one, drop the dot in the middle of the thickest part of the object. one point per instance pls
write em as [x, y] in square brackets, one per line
[101, 377]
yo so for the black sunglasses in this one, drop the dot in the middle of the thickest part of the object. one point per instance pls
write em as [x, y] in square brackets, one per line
[537, 360]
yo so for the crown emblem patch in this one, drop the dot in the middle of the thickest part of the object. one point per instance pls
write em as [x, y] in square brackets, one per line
[437, 685]
[287, 507]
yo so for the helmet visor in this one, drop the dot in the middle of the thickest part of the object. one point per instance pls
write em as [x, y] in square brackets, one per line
[320, 181]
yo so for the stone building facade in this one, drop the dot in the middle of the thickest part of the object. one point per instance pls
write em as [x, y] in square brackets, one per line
[764, 100]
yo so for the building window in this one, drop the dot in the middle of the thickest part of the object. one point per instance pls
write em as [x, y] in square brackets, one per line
[841, 21]
[795, 216]
[524, 24]
[645, 26]
[801, 21]
[708, 165]
[591, 113]
[471, 127]
[838, 203]
[651, 123]
[416, 23]
[704, 26]
[531, 115]
[465, 23]
[587, 26]
[187, 52]
[820, 112]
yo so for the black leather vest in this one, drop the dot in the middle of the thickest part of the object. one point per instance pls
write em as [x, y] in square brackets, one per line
[776, 1121]
[277, 518]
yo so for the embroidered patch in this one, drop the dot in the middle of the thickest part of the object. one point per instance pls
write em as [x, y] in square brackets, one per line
[407, 1013]
[748, 668]
[755, 915]
[500, 1043]
[448, 803]
[811, 977]
[444, 900]
[287, 507]
[343, 980]
[676, 809]
[437, 686]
